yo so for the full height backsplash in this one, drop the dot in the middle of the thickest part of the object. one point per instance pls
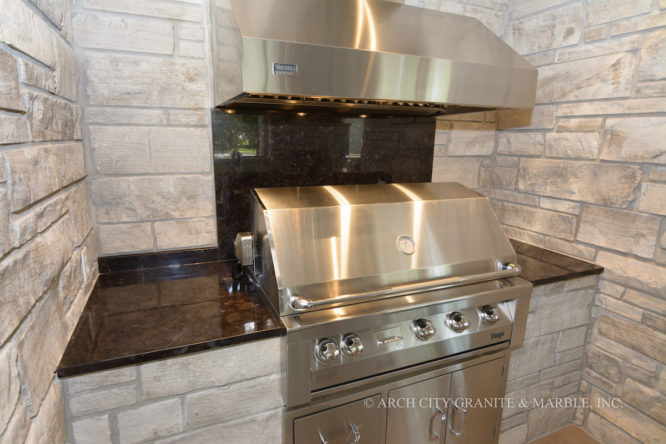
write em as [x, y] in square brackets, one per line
[272, 149]
[583, 173]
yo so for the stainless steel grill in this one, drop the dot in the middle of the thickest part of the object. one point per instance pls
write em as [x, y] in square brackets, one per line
[387, 290]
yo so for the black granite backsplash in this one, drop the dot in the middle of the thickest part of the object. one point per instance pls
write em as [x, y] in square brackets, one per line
[255, 149]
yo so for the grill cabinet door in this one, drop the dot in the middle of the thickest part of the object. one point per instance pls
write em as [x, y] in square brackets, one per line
[358, 422]
[416, 413]
[470, 424]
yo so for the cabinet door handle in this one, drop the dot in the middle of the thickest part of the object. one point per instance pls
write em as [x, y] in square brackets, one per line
[357, 434]
[436, 432]
[354, 430]
[451, 420]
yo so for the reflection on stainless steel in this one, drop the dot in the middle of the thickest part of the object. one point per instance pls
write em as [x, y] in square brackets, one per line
[363, 56]
[363, 16]
[345, 224]
[388, 291]
[457, 237]
[243, 248]
[299, 303]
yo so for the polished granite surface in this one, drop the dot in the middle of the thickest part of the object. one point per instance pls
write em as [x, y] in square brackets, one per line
[541, 266]
[142, 315]
[159, 305]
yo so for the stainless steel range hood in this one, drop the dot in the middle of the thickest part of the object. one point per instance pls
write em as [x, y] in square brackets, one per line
[362, 56]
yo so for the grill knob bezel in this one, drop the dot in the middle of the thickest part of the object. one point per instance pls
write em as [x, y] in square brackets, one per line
[423, 329]
[489, 314]
[351, 350]
[457, 322]
[326, 351]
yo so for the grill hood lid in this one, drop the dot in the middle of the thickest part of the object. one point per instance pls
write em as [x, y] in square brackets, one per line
[332, 245]
[362, 56]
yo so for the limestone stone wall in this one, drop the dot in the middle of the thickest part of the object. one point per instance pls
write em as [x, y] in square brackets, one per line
[492, 13]
[145, 96]
[232, 394]
[584, 173]
[48, 251]
[550, 363]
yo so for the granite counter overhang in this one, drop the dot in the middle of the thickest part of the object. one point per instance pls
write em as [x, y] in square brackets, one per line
[181, 306]
[149, 307]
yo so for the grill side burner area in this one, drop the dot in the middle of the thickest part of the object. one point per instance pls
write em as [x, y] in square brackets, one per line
[401, 304]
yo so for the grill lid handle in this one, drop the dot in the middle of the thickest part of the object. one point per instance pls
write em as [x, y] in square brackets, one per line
[299, 303]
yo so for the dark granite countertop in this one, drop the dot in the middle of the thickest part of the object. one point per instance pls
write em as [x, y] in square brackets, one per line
[143, 315]
[541, 266]
[183, 302]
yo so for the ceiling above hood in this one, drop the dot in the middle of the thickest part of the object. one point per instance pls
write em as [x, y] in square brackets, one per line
[362, 57]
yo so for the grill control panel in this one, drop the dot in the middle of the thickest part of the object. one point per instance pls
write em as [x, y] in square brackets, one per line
[448, 332]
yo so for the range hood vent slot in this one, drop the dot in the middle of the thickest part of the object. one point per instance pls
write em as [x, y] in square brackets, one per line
[345, 105]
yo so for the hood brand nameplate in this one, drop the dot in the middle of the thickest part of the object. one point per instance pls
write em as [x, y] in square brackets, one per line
[284, 68]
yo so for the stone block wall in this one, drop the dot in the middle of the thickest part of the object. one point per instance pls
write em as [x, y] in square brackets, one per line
[584, 173]
[145, 86]
[232, 394]
[48, 251]
[549, 365]
[492, 13]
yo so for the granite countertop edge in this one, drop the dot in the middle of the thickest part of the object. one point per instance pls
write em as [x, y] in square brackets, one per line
[540, 266]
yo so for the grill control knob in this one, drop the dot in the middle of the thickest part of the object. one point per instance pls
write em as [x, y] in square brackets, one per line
[457, 322]
[351, 345]
[326, 351]
[489, 314]
[423, 329]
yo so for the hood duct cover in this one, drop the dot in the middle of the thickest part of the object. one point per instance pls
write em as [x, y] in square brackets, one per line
[362, 56]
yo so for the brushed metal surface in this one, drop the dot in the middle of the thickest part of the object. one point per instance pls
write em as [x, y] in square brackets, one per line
[244, 248]
[419, 423]
[515, 291]
[364, 50]
[470, 424]
[376, 321]
[339, 72]
[299, 303]
[331, 241]
[383, 385]
[346, 424]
